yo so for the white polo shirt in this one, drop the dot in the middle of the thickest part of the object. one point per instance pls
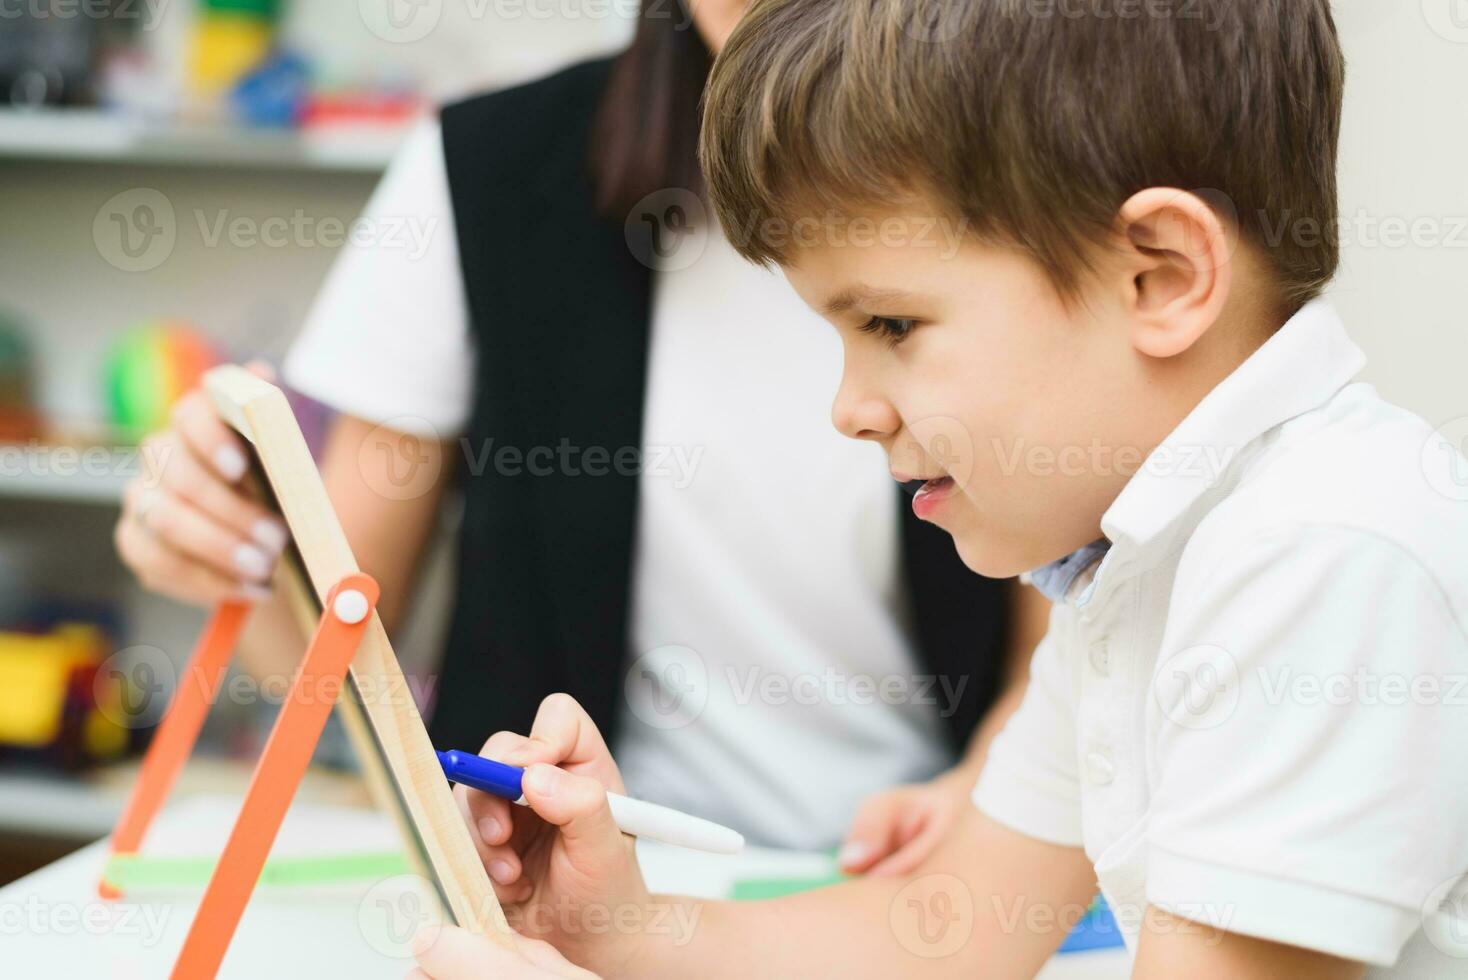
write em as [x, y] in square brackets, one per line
[1253, 710]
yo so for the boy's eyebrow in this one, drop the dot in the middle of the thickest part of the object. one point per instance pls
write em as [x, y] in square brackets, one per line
[855, 296]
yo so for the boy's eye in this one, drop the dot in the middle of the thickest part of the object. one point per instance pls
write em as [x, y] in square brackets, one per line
[894, 329]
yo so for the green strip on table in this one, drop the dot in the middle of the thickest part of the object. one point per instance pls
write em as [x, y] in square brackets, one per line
[133, 872]
[755, 889]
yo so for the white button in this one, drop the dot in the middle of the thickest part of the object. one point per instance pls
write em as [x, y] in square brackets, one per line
[1101, 657]
[1099, 768]
[351, 606]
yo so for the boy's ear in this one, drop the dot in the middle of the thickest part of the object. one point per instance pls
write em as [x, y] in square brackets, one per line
[1177, 256]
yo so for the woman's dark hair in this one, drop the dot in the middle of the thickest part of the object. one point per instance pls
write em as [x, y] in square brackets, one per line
[645, 136]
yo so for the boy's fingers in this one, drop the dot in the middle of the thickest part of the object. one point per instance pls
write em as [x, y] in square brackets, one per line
[512, 896]
[911, 821]
[541, 953]
[910, 855]
[477, 826]
[576, 803]
[574, 741]
[871, 836]
[578, 806]
[511, 747]
[518, 750]
[487, 814]
[490, 834]
[490, 816]
[920, 830]
[503, 865]
[450, 953]
[545, 956]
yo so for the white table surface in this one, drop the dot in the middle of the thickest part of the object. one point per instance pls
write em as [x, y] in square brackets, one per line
[53, 924]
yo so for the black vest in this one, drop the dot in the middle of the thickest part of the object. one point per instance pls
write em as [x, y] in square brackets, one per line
[560, 311]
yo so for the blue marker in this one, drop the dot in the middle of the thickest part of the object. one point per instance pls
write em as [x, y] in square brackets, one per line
[635, 817]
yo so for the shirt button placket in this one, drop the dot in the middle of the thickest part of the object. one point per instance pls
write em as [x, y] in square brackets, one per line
[1100, 770]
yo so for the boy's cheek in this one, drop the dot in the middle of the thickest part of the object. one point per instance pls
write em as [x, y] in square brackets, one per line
[995, 525]
[938, 441]
[987, 553]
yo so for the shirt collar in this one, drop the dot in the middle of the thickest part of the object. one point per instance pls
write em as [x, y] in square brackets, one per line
[1307, 361]
[1298, 369]
[1055, 579]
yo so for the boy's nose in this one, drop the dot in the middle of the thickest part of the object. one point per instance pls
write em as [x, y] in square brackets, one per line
[859, 415]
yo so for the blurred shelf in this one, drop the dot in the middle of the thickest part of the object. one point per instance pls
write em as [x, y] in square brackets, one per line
[106, 137]
[57, 806]
[84, 475]
[87, 807]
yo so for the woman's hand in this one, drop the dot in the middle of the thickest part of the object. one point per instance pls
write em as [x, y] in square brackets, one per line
[561, 867]
[895, 831]
[450, 953]
[187, 531]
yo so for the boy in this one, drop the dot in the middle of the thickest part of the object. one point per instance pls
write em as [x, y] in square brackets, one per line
[1242, 722]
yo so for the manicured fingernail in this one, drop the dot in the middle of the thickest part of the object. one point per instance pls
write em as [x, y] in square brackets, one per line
[542, 780]
[500, 871]
[251, 592]
[252, 562]
[425, 938]
[270, 534]
[230, 462]
[852, 852]
[489, 829]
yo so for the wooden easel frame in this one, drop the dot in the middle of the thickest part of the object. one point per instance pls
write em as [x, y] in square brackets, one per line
[349, 648]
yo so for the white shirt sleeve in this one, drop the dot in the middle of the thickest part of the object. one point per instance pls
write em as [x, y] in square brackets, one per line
[388, 338]
[1031, 781]
[1307, 734]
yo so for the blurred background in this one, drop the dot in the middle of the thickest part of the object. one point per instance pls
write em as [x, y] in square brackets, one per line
[255, 130]
[176, 176]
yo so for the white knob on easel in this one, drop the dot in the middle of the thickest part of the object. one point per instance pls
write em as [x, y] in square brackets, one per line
[350, 607]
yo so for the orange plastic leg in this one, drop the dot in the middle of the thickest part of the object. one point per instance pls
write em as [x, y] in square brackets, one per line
[179, 730]
[287, 753]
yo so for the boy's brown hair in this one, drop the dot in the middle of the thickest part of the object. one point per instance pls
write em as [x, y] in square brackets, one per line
[1035, 120]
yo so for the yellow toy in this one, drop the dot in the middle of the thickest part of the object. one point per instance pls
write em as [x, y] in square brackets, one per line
[53, 696]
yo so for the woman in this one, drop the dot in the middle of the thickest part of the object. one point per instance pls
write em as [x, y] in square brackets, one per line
[744, 607]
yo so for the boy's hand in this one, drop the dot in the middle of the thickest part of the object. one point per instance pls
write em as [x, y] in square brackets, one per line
[895, 831]
[450, 953]
[561, 867]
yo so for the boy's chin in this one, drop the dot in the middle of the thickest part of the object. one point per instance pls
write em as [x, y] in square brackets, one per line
[988, 558]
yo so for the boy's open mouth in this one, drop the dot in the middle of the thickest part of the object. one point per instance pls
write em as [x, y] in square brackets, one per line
[928, 495]
[917, 488]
